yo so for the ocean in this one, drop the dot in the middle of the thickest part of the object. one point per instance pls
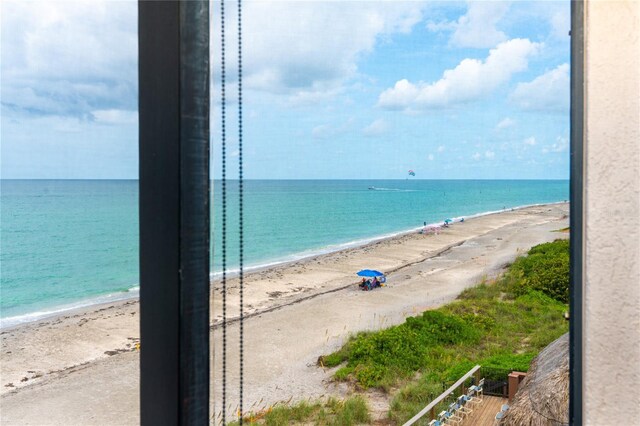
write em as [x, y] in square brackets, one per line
[66, 244]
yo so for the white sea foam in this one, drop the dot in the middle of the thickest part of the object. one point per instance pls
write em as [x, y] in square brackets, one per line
[12, 321]
[307, 254]
[374, 188]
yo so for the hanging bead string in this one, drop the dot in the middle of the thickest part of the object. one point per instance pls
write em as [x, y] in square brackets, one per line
[224, 216]
[241, 206]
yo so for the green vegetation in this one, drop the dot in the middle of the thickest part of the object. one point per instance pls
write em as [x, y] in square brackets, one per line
[500, 325]
[351, 411]
[545, 269]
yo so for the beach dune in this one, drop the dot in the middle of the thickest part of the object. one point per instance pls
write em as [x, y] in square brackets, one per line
[82, 367]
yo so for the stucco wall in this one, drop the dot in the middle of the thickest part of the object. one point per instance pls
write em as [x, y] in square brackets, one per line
[612, 213]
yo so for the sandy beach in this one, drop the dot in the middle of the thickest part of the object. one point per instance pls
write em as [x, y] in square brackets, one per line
[82, 367]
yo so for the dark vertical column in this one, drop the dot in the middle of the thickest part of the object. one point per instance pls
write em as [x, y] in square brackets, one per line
[195, 210]
[174, 211]
[576, 212]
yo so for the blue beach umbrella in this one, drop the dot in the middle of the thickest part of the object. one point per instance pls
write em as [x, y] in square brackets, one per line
[370, 273]
[448, 220]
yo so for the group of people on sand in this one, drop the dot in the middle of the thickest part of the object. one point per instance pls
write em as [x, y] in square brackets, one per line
[435, 229]
[369, 284]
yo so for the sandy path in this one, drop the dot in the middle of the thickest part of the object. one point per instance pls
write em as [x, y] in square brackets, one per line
[81, 384]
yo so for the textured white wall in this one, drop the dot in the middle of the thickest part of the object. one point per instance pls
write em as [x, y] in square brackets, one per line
[612, 213]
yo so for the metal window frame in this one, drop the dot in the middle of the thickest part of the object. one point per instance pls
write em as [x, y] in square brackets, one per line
[576, 303]
[174, 202]
[174, 211]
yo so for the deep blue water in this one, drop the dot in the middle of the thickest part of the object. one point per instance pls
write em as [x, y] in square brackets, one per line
[67, 243]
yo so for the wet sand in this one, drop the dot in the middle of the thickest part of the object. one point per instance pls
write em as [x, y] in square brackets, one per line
[82, 367]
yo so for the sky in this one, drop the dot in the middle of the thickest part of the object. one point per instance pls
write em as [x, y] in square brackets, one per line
[332, 89]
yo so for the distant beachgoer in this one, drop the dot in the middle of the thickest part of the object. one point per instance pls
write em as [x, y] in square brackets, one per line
[425, 224]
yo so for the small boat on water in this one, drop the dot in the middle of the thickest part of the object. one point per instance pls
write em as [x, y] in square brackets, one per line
[372, 188]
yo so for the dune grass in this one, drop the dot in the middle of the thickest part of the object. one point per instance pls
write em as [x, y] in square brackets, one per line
[332, 412]
[501, 325]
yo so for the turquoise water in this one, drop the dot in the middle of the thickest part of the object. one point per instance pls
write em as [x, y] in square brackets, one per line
[71, 243]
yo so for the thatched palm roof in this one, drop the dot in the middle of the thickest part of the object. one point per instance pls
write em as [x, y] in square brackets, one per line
[543, 396]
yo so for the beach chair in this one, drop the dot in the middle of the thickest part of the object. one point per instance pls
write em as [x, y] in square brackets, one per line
[462, 403]
[454, 415]
[478, 389]
[500, 415]
[435, 423]
[470, 399]
[445, 416]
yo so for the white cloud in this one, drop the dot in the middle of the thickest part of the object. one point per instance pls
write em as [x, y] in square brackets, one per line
[470, 80]
[531, 141]
[72, 58]
[436, 27]
[115, 116]
[489, 154]
[476, 28]
[477, 156]
[505, 123]
[441, 148]
[430, 157]
[561, 145]
[69, 58]
[289, 49]
[548, 92]
[324, 131]
[376, 128]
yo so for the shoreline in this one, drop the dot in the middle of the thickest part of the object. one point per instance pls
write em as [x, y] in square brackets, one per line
[84, 369]
[48, 350]
[132, 294]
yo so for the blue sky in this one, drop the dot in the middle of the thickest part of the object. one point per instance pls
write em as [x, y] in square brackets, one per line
[332, 89]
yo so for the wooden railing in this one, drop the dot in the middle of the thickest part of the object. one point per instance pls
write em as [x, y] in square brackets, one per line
[431, 407]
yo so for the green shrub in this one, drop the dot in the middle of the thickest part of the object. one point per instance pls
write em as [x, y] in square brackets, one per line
[545, 269]
[510, 362]
[456, 371]
[343, 373]
[380, 358]
[331, 360]
[370, 374]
